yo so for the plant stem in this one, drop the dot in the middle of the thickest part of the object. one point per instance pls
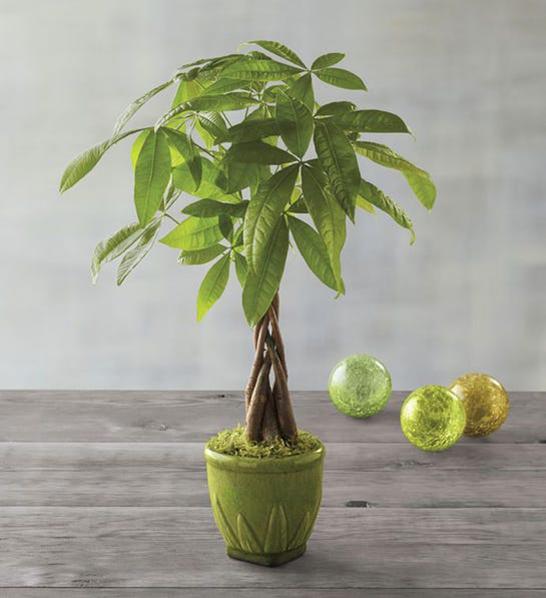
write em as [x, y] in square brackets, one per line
[268, 407]
[171, 217]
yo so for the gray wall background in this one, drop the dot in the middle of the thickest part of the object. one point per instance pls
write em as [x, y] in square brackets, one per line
[469, 76]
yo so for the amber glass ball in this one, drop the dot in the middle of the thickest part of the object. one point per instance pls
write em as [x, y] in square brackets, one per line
[485, 401]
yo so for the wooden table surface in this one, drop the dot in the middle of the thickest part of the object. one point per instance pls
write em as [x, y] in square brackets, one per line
[103, 494]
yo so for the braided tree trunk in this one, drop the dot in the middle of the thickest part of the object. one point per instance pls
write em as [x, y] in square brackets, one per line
[268, 406]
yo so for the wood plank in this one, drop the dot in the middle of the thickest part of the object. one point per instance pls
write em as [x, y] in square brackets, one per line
[138, 486]
[517, 526]
[188, 456]
[172, 416]
[265, 593]
[351, 548]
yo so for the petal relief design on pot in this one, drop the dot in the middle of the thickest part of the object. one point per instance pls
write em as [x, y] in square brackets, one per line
[305, 527]
[303, 531]
[315, 512]
[276, 539]
[227, 531]
[247, 537]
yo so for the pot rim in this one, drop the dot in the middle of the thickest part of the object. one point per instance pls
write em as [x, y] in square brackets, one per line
[264, 465]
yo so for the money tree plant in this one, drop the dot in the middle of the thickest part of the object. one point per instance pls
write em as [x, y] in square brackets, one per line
[244, 165]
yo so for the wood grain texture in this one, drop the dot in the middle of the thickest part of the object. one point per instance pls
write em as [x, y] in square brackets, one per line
[110, 487]
[169, 474]
[176, 416]
[266, 593]
[188, 457]
[104, 494]
[353, 548]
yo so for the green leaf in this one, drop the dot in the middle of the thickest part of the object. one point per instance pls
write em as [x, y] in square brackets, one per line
[327, 60]
[270, 93]
[302, 90]
[298, 206]
[384, 155]
[263, 213]
[260, 70]
[220, 103]
[133, 107]
[377, 198]
[364, 204]
[201, 256]
[262, 283]
[195, 63]
[82, 164]
[206, 80]
[371, 121]
[211, 61]
[200, 82]
[295, 123]
[213, 286]
[187, 90]
[352, 136]
[111, 248]
[226, 226]
[196, 74]
[213, 103]
[237, 241]
[335, 108]
[239, 175]
[422, 187]
[279, 50]
[137, 146]
[208, 208]
[257, 55]
[418, 179]
[209, 187]
[341, 78]
[213, 124]
[313, 250]
[241, 269]
[251, 130]
[261, 112]
[136, 254]
[152, 174]
[194, 233]
[86, 161]
[258, 152]
[184, 146]
[339, 163]
[225, 85]
[327, 215]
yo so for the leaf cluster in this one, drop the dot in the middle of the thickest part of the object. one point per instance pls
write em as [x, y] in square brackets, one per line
[266, 168]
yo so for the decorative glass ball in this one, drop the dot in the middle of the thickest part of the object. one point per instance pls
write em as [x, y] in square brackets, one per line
[432, 418]
[359, 386]
[485, 401]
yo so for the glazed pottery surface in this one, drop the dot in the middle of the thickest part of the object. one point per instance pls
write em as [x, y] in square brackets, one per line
[265, 508]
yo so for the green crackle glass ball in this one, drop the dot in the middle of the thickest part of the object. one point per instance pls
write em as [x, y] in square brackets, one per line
[359, 386]
[432, 418]
[485, 401]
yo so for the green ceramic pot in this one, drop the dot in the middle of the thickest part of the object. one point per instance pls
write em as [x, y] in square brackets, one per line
[265, 508]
